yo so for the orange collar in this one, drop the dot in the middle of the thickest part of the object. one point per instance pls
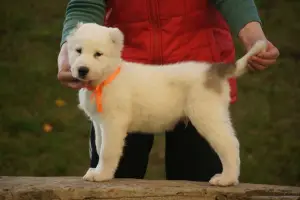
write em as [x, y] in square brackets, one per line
[98, 90]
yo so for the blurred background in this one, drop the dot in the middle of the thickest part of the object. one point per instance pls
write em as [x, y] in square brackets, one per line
[42, 133]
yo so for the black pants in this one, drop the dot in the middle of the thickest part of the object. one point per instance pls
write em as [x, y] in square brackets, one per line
[187, 156]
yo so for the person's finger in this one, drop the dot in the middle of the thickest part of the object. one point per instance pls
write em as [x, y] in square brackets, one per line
[65, 76]
[271, 53]
[73, 85]
[256, 66]
[261, 61]
[250, 68]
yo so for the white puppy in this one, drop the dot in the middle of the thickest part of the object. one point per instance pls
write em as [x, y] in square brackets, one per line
[150, 98]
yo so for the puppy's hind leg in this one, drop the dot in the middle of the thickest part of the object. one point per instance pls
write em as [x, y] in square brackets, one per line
[212, 121]
[113, 133]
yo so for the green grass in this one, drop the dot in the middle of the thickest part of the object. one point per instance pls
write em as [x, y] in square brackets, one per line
[266, 115]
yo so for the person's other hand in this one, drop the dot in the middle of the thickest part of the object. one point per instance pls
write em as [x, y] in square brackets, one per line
[264, 59]
[250, 34]
[64, 74]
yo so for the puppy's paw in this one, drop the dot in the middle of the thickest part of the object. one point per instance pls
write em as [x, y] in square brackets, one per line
[224, 180]
[88, 174]
[97, 175]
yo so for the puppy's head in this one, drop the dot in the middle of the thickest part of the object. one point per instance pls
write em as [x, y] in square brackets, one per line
[94, 51]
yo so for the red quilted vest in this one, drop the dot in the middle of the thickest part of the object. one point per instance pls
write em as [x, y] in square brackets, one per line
[168, 31]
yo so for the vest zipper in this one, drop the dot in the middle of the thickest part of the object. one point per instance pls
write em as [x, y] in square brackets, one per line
[156, 39]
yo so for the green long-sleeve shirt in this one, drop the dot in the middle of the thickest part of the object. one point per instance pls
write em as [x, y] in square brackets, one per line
[236, 12]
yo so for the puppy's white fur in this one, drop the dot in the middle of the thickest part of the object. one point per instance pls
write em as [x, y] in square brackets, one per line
[152, 99]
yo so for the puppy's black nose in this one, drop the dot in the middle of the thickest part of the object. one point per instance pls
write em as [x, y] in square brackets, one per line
[83, 71]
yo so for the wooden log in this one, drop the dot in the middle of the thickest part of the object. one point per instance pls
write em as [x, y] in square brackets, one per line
[74, 188]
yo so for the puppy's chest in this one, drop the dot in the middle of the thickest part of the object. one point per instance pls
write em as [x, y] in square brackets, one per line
[86, 103]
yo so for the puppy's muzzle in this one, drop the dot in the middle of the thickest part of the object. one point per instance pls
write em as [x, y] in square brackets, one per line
[82, 72]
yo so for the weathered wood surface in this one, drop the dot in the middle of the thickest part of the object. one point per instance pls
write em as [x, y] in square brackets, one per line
[74, 188]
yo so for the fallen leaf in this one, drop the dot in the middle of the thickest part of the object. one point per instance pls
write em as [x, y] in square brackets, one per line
[47, 128]
[60, 102]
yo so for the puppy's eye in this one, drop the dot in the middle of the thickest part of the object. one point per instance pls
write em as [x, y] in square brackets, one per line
[97, 54]
[79, 50]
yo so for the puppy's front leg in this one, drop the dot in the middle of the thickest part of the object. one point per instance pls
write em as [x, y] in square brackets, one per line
[94, 140]
[111, 148]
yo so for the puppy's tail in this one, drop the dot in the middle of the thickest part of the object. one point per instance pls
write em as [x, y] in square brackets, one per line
[238, 68]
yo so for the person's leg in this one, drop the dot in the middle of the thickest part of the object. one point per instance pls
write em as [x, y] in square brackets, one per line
[94, 157]
[133, 163]
[189, 156]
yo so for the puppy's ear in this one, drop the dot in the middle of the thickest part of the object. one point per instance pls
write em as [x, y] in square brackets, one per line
[79, 24]
[116, 36]
[72, 32]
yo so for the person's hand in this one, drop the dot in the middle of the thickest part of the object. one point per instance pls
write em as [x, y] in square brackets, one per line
[64, 74]
[264, 59]
[250, 34]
